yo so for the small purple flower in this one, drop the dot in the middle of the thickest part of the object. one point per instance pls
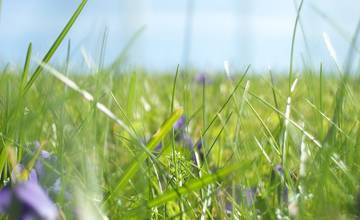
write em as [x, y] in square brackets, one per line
[45, 154]
[27, 200]
[39, 165]
[180, 123]
[180, 133]
[158, 148]
[199, 145]
[228, 207]
[202, 78]
[43, 166]
[5, 199]
[200, 153]
[250, 195]
[17, 172]
[279, 169]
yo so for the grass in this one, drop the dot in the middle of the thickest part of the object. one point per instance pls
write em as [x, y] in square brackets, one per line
[268, 146]
[97, 156]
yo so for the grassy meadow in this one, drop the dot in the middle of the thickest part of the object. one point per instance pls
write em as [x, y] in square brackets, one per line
[240, 122]
[132, 144]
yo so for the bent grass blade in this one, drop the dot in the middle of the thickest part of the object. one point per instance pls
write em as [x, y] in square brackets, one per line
[55, 46]
[87, 96]
[135, 165]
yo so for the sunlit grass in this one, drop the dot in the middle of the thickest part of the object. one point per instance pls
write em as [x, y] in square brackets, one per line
[181, 145]
[94, 152]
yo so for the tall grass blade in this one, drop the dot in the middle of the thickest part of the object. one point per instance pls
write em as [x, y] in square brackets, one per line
[196, 184]
[293, 44]
[139, 160]
[274, 93]
[24, 76]
[103, 49]
[55, 45]
[174, 88]
[296, 125]
[89, 97]
[67, 61]
[227, 101]
[340, 93]
[336, 26]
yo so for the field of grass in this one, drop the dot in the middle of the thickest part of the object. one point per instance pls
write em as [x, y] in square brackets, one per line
[133, 144]
[252, 160]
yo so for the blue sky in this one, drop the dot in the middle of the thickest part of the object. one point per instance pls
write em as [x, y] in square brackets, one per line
[256, 32]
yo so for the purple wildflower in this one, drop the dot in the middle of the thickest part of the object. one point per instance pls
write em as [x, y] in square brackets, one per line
[27, 200]
[250, 195]
[199, 146]
[17, 171]
[44, 155]
[39, 165]
[279, 169]
[199, 151]
[42, 168]
[183, 137]
[180, 123]
[202, 78]
[180, 133]
[158, 148]
[228, 207]
[5, 199]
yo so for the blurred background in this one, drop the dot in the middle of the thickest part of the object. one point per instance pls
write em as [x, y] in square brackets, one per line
[192, 33]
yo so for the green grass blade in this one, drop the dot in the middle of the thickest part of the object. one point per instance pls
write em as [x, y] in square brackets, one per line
[297, 126]
[134, 166]
[25, 73]
[227, 101]
[341, 92]
[218, 135]
[103, 49]
[321, 87]
[334, 24]
[3, 159]
[67, 61]
[293, 44]
[171, 110]
[55, 45]
[266, 128]
[274, 93]
[173, 90]
[196, 184]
